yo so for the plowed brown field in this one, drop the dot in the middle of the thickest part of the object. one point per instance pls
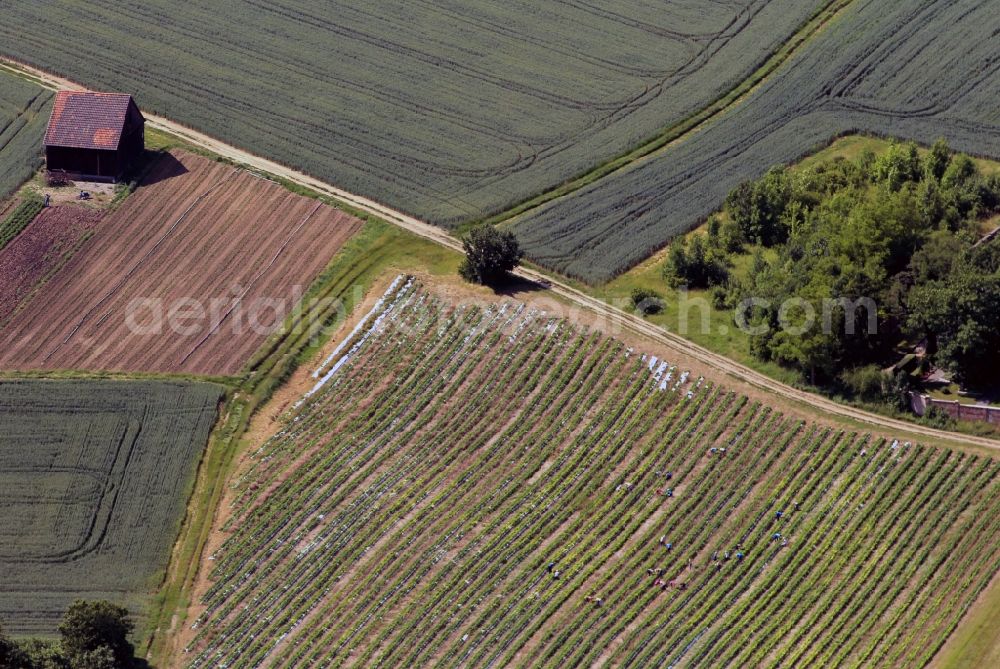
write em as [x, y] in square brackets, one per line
[38, 251]
[190, 275]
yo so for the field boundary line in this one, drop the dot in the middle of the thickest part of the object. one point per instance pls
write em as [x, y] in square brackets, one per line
[681, 130]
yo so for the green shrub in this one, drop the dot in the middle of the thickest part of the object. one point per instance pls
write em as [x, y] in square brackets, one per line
[696, 264]
[866, 383]
[647, 302]
[939, 418]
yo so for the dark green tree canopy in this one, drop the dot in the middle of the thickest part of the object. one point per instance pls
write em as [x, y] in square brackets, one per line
[898, 228]
[898, 166]
[93, 635]
[696, 263]
[490, 255]
[758, 208]
[937, 160]
[90, 630]
[7, 649]
[961, 313]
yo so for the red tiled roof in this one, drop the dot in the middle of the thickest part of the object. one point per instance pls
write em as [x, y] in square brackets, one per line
[87, 120]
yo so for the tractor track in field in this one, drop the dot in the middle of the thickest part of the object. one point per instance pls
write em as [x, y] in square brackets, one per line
[612, 314]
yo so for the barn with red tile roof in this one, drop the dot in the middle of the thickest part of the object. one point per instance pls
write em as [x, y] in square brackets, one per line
[94, 136]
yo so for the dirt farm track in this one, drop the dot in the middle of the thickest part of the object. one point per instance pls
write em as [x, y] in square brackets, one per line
[226, 252]
[630, 321]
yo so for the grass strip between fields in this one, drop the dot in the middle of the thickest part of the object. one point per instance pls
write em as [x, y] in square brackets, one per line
[378, 247]
[687, 126]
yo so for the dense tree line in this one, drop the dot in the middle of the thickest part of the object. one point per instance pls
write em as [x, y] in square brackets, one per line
[899, 229]
[92, 635]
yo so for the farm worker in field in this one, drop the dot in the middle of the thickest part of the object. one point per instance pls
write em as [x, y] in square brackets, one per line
[663, 539]
[739, 556]
[777, 515]
[670, 546]
[550, 567]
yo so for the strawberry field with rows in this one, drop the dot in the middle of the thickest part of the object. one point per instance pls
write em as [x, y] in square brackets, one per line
[488, 486]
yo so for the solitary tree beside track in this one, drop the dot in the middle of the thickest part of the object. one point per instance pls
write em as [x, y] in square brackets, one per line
[490, 255]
